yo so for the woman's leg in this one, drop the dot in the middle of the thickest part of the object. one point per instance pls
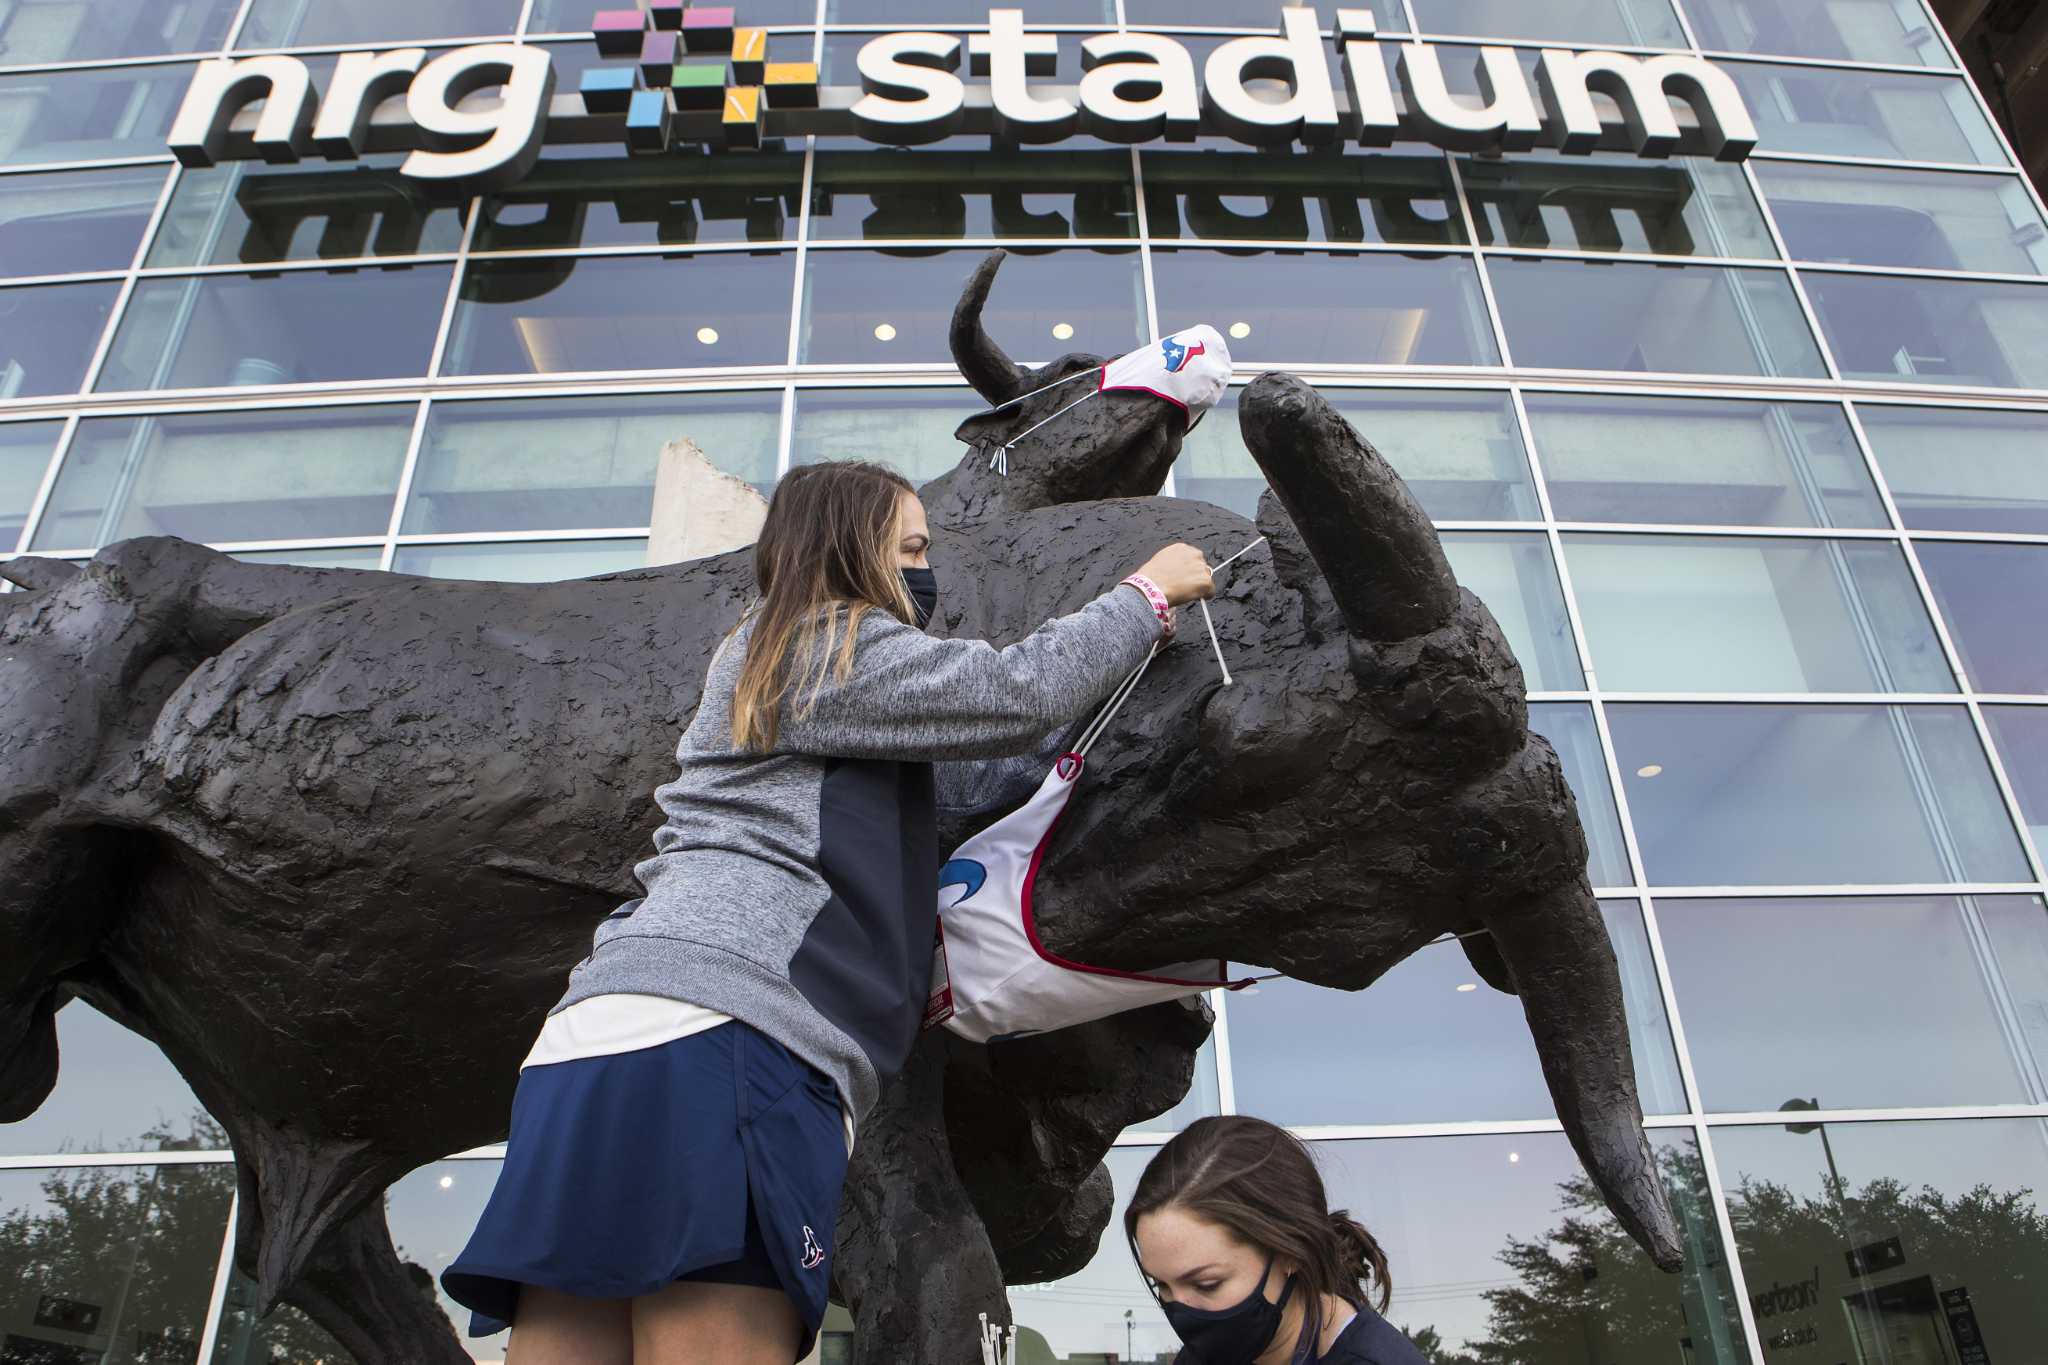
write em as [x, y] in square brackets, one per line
[553, 1328]
[691, 1323]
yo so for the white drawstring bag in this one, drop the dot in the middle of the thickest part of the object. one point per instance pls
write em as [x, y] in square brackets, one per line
[992, 976]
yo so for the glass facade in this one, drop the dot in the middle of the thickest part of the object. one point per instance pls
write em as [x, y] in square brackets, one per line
[1747, 461]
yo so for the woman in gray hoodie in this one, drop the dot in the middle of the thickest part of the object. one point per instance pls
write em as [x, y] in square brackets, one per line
[681, 1127]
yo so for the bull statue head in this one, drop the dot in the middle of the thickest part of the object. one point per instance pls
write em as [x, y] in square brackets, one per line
[333, 838]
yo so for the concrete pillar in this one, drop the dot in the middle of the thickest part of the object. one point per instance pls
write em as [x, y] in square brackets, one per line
[699, 509]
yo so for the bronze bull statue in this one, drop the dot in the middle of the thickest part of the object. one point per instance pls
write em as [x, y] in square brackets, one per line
[333, 838]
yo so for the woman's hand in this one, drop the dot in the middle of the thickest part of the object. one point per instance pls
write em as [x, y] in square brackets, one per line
[1182, 573]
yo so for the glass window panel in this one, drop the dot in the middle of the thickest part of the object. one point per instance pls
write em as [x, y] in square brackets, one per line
[73, 31]
[1203, 1097]
[1980, 590]
[47, 335]
[910, 430]
[1359, 308]
[1686, 206]
[567, 314]
[1790, 795]
[1893, 1242]
[1692, 319]
[1460, 453]
[1260, 15]
[250, 213]
[686, 197]
[1231, 192]
[886, 192]
[295, 327]
[1701, 461]
[1924, 331]
[1895, 32]
[350, 557]
[1962, 469]
[905, 14]
[1639, 23]
[88, 115]
[305, 23]
[886, 308]
[1449, 1047]
[1931, 220]
[71, 221]
[566, 463]
[285, 1336]
[1832, 111]
[2021, 734]
[25, 450]
[1569, 727]
[284, 474]
[573, 16]
[1513, 574]
[527, 561]
[1752, 975]
[1733, 614]
[115, 1093]
[432, 1212]
[111, 1264]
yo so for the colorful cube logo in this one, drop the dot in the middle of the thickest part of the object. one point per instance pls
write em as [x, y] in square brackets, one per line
[696, 76]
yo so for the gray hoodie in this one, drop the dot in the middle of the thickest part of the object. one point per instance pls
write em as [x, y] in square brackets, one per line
[797, 889]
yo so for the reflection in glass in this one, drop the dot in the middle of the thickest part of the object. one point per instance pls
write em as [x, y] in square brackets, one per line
[526, 561]
[62, 31]
[574, 463]
[348, 557]
[920, 13]
[1202, 1098]
[1701, 461]
[303, 23]
[432, 1212]
[1636, 23]
[1894, 32]
[1568, 725]
[1448, 1047]
[1962, 469]
[1735, 614]
[2021, 736]
[285, 1336]
[1832, 111]
[290, 328]
[1513, 575]
[1234, 192]
[1459, 452]
[90, 114]
[886, 308]
[25, 449]
[886, 192]
[1357, 308]
[1686, 206]
[115, 1093]
[1925, 331]
[1930, 220]
[911, 430]
[249, 213]
[1260, 15]
[565, 314]
[1752, 976]
[1891, 1242]
[283, 474]
[66, 222]
[47, 335]
[683, 198]
[1980, 591]
[109, 1264]
[1790, 795]
[573, 16]
[1692, 319]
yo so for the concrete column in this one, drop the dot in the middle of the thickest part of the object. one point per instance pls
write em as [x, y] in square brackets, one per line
[699, 509]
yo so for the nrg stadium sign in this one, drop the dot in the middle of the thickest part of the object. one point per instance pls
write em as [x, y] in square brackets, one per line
[692, 75]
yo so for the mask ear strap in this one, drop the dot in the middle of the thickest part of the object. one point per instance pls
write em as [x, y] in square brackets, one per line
[1109, 708]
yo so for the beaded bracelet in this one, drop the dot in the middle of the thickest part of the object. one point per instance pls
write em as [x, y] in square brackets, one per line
[1160, 607]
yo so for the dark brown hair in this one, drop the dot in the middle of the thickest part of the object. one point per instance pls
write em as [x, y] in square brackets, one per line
[1258, 1182]
[826, 557]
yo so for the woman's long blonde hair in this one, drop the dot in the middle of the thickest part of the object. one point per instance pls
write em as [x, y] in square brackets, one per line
[826, 557]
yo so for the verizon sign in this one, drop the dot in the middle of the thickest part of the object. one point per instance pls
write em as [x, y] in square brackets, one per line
[477, 117]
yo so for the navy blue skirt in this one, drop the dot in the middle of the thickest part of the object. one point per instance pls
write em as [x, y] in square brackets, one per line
[717, 1157]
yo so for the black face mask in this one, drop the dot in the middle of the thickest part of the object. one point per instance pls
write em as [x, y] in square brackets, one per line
[1234, 1335]
[923, 587]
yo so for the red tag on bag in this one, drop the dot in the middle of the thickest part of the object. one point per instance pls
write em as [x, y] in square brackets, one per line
[938, 1006]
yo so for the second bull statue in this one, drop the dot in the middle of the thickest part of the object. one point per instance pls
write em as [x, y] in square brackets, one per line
[333, 838]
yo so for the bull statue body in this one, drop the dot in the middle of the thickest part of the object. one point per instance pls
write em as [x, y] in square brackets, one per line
[332, 839]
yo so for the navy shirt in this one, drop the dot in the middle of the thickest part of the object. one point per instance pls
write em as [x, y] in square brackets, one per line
[1370, 1339]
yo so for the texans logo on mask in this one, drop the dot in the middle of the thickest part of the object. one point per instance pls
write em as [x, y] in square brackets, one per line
[1178, 353]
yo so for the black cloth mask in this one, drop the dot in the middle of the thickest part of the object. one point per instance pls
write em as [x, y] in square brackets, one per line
[923, 587]
[1229, 1336]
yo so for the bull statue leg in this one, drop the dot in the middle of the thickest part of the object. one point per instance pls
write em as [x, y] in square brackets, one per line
[356, 1288]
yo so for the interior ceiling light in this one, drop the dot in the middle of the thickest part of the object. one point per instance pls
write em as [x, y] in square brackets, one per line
[1649, 770]
[884, 332]
[1468, 986]
[1240, 330]
[1062, 330]
[707, 335]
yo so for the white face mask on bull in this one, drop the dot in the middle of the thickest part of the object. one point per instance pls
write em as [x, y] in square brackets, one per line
[1189, 369]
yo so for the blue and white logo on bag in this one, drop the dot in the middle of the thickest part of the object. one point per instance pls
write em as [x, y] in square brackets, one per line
[963, 872]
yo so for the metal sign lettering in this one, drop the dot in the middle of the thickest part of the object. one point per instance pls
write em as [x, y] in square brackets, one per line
[477, 117]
